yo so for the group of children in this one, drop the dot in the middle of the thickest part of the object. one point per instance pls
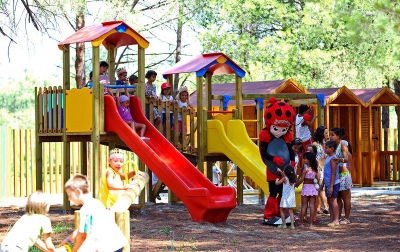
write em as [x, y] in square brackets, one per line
[95, 218]
[122, 101]
[325, 167]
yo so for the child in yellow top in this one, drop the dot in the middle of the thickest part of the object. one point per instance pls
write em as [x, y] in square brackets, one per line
[111, 179]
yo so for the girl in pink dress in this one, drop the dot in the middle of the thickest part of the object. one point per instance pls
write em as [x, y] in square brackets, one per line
[310, 177]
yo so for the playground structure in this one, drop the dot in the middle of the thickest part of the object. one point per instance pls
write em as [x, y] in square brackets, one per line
[86, 115]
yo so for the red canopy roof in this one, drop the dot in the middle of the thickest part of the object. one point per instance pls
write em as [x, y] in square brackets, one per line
[117, 33]
[215, 63]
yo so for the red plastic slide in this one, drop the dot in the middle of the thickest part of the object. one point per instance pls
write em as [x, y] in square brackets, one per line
[204, 200]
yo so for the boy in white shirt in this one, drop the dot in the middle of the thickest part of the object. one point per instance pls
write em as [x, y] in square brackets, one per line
[94, 219]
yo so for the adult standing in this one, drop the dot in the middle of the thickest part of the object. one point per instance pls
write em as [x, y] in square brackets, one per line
[321, 135]
[343, 157]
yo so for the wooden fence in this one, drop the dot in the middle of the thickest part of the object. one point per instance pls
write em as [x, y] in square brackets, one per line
[389, 159]
[17, 163]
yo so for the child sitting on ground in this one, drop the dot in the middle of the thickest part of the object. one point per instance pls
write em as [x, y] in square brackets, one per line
[288, 201]
[166, 97]
[94, 219]
[125, 113]
[332, 182]
[27, 231]
[151, 92]
[303, 122]
[111, 179]
[309, 191]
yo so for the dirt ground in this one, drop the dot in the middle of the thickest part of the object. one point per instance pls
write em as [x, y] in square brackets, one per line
[374, 227]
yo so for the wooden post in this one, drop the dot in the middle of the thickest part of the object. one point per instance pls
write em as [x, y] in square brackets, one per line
[321, 115]
[239, 95]
[370, 158]
[239, 196]
[123, 221]
[397, 147]
[141, 74]
[33, 175]
[359, 167]
[260, 125]
[200, 124]
[96, 122]
[57, 169]
[210, 170]
[111, 63]
[224, 175]
[66, 145]
[327, 117]
[83, 150]
[15, 150]
[208, 94]
[38, 144]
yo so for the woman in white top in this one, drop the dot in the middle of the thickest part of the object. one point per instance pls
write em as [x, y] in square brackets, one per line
[303, 123]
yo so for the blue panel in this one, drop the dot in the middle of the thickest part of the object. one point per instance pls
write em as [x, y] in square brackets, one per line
[3, 180]
[321, 98]
[120, 86]
[261, 102]
[225, 100]
[203, 71]
[121, 28]
[165, 76]
[238, 71]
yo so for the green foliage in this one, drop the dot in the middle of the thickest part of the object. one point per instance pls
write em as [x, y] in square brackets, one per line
[60, 227]
[317, 43]
[17, 100]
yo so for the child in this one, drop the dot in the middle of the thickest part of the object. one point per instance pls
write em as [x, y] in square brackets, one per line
[302, 125]
[309, 191]
[125, 113]
[183, 101]
[133, 80]
[165, 96]
[151, 92]
[104, 78]
[28, 229]
[288, 201]
[216, 174]
[90, 82]
[94, 219]
[332, 182]
[297, 147]
[121, 78]
[321, 195]
[111, 179]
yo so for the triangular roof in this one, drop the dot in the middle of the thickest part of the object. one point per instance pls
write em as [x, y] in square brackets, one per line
[341, 95]
[117, 33]
[214, 63]
[259, 87]
[380, 96]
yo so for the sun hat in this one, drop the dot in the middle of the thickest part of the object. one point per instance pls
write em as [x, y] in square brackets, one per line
[123, 98]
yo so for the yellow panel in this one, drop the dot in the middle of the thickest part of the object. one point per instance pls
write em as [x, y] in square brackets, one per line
[224, 118]
[79, 110]
[100, 40]
[140, 41]
[221, 60]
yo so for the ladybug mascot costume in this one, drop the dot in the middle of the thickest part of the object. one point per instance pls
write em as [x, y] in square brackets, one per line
[276, 152]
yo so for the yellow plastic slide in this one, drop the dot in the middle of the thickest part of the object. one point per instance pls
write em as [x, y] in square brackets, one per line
[239, 148]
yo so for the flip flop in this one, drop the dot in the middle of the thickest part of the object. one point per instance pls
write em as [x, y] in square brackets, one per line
[344, 221]
[332, 225]
[280, 226]
[314, 220]
[292, 227]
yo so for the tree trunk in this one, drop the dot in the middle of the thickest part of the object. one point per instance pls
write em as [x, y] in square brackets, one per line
[80, 53]
[178, 45]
